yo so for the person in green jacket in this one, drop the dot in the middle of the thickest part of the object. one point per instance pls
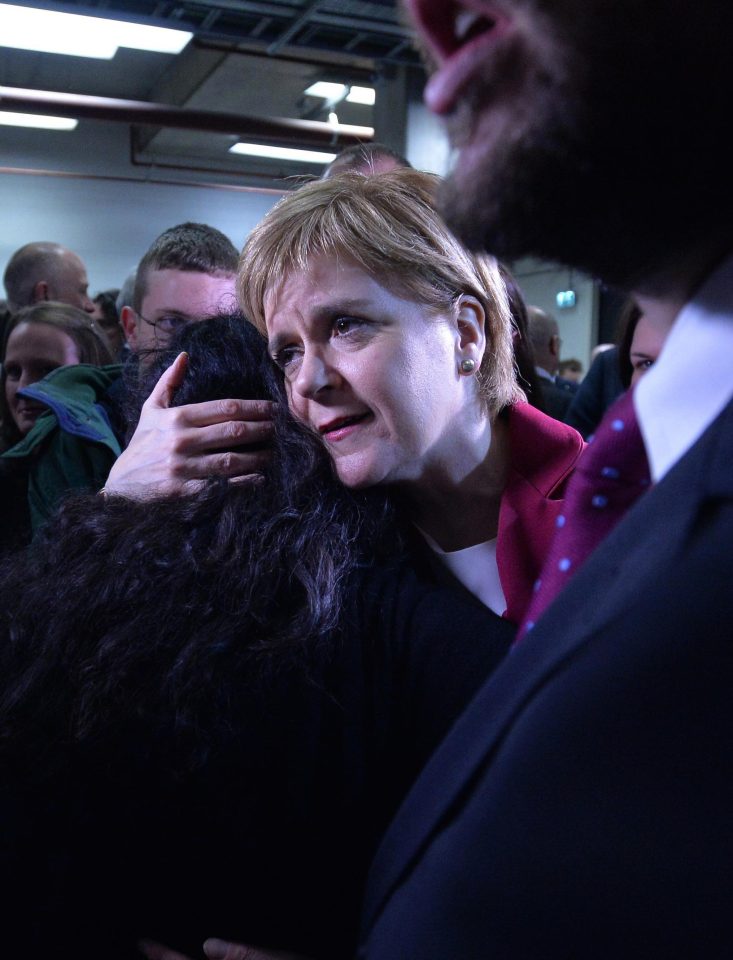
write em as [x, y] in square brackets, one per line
[56, 368]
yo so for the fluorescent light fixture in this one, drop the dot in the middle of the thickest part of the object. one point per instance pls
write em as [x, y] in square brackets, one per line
[36, 120]
[365, 95]
[366, 133]
[282, 153]
[329, 91]
[335, 91]
[48, 31]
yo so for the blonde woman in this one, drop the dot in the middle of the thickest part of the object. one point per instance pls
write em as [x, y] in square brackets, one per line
[395, 345]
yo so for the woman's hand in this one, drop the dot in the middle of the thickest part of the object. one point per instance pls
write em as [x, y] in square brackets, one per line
[173, 448]
[216, 950]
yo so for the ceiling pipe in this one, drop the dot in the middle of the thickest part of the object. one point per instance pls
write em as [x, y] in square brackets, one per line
[280, 130]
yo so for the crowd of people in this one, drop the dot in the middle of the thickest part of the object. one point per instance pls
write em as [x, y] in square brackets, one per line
[324, 631]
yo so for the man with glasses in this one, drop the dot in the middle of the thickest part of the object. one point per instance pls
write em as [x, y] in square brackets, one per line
[187, 274]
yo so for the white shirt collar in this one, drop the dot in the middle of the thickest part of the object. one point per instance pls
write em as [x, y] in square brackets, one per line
[545, 374]
[692, 381]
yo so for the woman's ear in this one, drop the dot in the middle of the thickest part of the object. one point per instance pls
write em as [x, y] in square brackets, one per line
[471, 339]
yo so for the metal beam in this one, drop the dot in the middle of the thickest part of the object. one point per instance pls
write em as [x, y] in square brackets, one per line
[285, 130]
[294, 28]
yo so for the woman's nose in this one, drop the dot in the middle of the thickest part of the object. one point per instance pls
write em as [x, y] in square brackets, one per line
[315, 374]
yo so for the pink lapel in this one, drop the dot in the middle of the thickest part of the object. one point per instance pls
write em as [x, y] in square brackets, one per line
[543, 454]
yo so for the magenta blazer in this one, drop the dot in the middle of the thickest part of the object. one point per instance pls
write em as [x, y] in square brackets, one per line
[543, 454]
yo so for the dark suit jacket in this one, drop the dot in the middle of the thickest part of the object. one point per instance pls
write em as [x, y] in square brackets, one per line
[582, 806]
[556, 397]
[600, 387]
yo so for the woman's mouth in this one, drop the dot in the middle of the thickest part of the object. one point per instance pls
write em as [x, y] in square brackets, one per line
[458, 38]
[31, 413]
[342, 427]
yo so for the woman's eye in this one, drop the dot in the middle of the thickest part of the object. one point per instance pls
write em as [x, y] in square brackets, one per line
[345, 325]
[285, 358]
[12, 373]
[643, 364]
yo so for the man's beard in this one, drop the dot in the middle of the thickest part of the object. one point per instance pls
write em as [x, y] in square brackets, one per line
[592, 172]
[519, 159]
[507, 201]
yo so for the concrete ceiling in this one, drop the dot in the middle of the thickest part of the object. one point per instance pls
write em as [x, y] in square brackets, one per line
[250, 59]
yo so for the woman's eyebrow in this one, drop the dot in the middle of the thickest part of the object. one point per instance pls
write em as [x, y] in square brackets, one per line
[343, 305]
[325, 311]
[274, 344]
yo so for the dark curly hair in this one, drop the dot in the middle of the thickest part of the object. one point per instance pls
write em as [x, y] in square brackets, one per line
[124, 611]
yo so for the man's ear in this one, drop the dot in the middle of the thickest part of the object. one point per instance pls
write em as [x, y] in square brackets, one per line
[128, 319]
[471, 328]
[40, 292]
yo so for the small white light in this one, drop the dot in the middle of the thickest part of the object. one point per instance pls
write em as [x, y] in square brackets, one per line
[565, 299]
[36, 120]
[48, 31]
[282, 153]
[326, 90]
[365, 95]
[333, 118]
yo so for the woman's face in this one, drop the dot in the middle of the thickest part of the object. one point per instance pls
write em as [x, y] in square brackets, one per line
[33, 350]
[646, 345]
[376, 375]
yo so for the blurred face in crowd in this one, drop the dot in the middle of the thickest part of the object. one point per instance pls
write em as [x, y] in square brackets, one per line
[33, 350]
[565, 115]
[573, 373]
[109, 327]
[375, 374]
[646, 345]
[69, 283]
[174, 298]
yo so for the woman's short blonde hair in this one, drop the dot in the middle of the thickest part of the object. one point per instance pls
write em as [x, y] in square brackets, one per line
[388, 224]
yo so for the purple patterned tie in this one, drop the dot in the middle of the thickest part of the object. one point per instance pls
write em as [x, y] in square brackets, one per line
[610, 475]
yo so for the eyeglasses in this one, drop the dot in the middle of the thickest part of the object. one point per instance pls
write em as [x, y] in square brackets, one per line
[167, 324]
